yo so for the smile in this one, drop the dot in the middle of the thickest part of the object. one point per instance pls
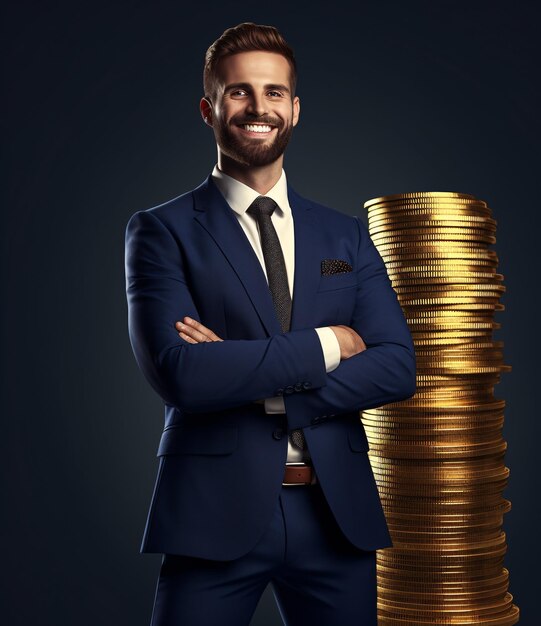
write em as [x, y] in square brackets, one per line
[257, 128]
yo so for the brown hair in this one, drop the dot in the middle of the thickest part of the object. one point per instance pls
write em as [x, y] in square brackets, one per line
[246, 37]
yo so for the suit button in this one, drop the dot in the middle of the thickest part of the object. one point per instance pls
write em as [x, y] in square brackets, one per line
[278, 433]
[298, 387]
[289, 389]
[316, 420]
[306, 385]
[280, 392]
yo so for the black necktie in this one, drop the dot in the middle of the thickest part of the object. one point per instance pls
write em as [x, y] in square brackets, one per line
[261, 209]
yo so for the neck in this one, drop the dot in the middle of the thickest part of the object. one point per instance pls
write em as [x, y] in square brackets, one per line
[260, 179]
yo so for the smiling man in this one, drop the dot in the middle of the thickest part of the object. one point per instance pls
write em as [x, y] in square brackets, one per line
[265, 321]
[252, 121]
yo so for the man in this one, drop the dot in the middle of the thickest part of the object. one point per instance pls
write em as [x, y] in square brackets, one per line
[266, 322]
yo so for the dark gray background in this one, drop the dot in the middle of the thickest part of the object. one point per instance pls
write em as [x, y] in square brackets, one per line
[101, 120]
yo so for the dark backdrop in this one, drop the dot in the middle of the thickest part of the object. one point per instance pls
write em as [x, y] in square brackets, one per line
[101, 120]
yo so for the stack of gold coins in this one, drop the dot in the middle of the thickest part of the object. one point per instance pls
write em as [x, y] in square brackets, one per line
[438, 458]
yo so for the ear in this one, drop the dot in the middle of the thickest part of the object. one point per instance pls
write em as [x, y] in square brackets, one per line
[296, 110]
[205, 107]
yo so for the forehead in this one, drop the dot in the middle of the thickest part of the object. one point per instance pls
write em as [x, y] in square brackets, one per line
[255, 67]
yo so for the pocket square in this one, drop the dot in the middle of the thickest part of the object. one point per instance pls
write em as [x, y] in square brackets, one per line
[334, 266]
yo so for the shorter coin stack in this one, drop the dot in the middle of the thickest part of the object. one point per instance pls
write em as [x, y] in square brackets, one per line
[438, 458]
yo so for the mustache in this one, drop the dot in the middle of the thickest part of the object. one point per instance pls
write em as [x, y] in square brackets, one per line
[259, 120]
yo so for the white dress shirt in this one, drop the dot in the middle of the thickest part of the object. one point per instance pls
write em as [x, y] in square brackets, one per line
[239, 197]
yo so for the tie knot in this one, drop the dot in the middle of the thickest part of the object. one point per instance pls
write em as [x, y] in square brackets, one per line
[262, 205]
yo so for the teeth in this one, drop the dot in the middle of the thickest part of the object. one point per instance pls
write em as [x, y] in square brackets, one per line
[257, 128]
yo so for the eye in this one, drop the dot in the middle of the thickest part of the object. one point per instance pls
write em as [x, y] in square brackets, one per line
[276, 94]
[238, 93]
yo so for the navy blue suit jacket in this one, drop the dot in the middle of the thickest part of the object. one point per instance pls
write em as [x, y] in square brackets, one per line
[221, 457]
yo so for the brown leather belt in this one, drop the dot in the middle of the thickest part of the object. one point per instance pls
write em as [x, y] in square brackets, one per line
[299, 474]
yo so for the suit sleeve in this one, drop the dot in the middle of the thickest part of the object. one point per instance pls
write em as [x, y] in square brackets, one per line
[385, 371]
[208, 376]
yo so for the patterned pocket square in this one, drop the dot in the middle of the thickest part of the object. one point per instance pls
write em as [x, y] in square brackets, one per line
[334, 266]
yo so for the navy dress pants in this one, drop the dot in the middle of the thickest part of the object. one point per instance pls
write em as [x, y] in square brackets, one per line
[317, 576]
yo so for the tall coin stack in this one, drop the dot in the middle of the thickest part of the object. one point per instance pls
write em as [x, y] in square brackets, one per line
[438, 458]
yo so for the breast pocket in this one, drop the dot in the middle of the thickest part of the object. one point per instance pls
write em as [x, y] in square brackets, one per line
[181, 439]
[342, 280]
[335, 298]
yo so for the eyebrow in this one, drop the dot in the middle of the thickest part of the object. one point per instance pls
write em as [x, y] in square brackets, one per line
[247, 87]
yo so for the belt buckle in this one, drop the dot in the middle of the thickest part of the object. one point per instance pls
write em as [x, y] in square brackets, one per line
[298, 464]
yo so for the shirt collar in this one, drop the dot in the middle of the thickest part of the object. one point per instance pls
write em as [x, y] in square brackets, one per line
[240, 196]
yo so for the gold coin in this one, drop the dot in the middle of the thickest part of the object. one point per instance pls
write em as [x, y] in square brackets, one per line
[418, 517]
[477, 613]
[463, 203]
[400, 257]
[439, 291]
[450, 368]
[425, 199]
[442, 322]
[427, 379]
[398, 430]
[447, 210]
[421, 237]
[427, 227]
[496, 405]
[421, 195]
[480, 288]
[434, 247]
[449, 597]
[414, 472]
[386, 485]
[475, 298]
[448, 217]
[447, 315]
[434, 269]
[438, 452]
[440, 264]
[428, 421]
[469, 465]
[430, 227]
[405, 279]
[424, 606]
[447, 575]
[453, 255]
[448, 339]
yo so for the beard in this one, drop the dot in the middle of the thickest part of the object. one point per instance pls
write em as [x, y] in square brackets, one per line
[254, 153]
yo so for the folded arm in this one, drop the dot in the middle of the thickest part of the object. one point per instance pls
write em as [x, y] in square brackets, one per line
[381, 374]
[214, 375]
[349, 342]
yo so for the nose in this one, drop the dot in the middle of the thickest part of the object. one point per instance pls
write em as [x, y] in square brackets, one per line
[257, 105]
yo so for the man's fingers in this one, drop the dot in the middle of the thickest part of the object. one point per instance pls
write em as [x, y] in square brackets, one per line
[188, 332]
[202, 329]
[187, 338]
[196, 331]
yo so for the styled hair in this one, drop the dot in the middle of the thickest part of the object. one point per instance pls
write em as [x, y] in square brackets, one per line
[245, 37]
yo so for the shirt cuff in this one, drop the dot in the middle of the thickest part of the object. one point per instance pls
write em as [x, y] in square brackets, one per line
[275, 405]
[330, 347]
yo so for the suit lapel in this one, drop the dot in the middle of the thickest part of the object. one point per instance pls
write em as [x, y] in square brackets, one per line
[218, 219]
[308, 247]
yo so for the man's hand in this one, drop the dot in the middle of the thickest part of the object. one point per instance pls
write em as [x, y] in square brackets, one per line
[350, 342]
[194, 332]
